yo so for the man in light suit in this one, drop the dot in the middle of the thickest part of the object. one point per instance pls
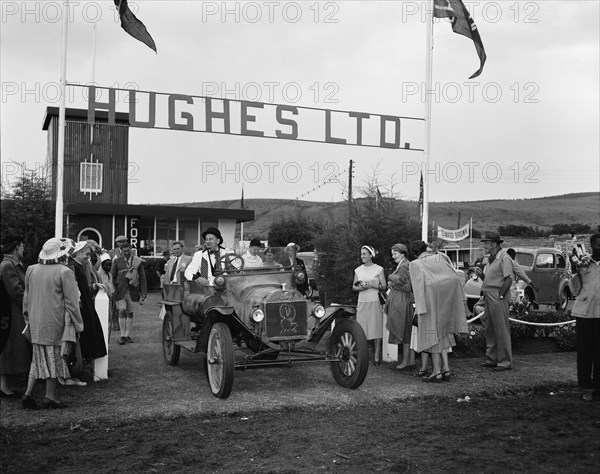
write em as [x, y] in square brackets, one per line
[206, 260]
[177, 263]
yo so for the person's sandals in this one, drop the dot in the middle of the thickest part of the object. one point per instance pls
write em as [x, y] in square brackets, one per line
[122, 341]
[446, 376]
[48, 403]
[28, 403]
[433, 378]
[421, 373]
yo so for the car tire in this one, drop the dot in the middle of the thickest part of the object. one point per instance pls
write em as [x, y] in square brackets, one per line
[171, 351]
[219, 360]
[349, 343]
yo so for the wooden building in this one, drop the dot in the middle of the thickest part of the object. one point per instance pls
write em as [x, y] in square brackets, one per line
[96, 169]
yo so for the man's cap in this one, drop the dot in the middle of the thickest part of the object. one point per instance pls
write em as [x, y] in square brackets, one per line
[104, 257]
[121, 238]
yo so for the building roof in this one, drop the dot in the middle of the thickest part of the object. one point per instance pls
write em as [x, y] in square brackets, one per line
[101, 115]
[154, 210]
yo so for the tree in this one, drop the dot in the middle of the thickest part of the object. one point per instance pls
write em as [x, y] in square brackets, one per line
[28, 210]
[573, 228]
[300, 230]
[377, 221]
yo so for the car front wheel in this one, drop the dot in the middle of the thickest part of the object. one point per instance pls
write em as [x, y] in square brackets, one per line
[349, 345]
[220, 360]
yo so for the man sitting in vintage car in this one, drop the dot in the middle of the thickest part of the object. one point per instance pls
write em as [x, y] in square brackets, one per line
[206, 260]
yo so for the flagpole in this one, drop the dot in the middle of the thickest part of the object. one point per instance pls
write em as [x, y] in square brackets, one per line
[428, 85]
[470, 241]
[60, 161]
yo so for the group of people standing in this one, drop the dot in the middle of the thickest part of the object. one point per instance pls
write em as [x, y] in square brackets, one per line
[50, 309]
[425, 293]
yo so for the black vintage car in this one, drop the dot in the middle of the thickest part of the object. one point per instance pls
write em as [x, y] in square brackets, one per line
[259, 311]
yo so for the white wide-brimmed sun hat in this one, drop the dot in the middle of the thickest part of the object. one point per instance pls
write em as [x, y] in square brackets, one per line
[56, 249]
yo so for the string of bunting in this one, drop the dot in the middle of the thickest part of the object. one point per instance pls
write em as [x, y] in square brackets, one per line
[310, 191]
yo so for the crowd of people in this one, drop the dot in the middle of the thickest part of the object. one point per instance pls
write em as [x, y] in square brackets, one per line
[53, 324]
[55, 333]
[425, 306]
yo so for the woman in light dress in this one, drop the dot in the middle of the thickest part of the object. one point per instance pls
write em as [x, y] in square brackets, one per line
[368, 280]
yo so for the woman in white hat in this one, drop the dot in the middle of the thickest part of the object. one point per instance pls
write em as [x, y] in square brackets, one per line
[51, 309]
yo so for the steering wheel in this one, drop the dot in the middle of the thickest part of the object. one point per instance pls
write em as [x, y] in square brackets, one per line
[231, 262]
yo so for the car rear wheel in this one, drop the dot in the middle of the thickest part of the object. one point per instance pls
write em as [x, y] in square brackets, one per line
[171, 351]
[349, 345]
[220, 360]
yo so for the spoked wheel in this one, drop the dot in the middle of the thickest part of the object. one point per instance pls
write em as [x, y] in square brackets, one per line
[349, 344]
[219, 360]
[171, 351]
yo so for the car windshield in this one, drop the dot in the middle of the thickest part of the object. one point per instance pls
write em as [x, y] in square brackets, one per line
[263, 258]
[524, 259]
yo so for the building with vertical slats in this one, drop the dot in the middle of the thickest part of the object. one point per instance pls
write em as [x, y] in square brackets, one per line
[96, 172]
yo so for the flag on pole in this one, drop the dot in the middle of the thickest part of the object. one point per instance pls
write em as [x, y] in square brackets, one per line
[421, 196]
[462, 24]
[132, 25]
[242, 200]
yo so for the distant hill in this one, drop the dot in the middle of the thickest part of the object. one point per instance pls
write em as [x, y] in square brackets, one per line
[542, 212]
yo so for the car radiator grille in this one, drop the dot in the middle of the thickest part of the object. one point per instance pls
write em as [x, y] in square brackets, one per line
[286, 320]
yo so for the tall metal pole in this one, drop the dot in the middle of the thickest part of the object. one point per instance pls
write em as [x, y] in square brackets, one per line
[428, 91]
[60, 161]
[350, 193]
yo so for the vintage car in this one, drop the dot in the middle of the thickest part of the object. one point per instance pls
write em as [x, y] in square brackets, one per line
[547, 269]
[271, 323]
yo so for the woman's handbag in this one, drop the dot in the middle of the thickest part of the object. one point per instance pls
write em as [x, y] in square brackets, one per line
[415, 321]
[382, 296]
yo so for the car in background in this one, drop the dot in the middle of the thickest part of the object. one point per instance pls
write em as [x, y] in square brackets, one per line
[548, 270]
[310, 262]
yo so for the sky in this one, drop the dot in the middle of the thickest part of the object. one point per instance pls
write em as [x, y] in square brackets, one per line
[526, 127]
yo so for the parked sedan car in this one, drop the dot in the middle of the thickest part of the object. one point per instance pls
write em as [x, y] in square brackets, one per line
[547, 268]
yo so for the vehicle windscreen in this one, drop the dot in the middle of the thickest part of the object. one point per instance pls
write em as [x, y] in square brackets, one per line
[524, 259]
[265, 258]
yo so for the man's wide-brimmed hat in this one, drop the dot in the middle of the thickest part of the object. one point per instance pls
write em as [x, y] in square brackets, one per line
[55, 249]
[492, 237]
[213, 231]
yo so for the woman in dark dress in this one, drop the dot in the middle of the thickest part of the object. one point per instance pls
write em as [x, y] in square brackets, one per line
[91, 339]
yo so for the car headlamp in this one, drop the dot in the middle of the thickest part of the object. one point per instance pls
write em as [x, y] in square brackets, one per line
[319, 311]
[258, 315]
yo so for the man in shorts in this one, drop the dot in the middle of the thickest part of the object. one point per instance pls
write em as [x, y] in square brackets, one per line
[129, 278]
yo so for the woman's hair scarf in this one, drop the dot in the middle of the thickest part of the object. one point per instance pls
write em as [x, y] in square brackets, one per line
[370, 249]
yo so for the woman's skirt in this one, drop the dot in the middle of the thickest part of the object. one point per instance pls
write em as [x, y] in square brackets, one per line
[47, 363]
[370, 317]
[399, 317]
